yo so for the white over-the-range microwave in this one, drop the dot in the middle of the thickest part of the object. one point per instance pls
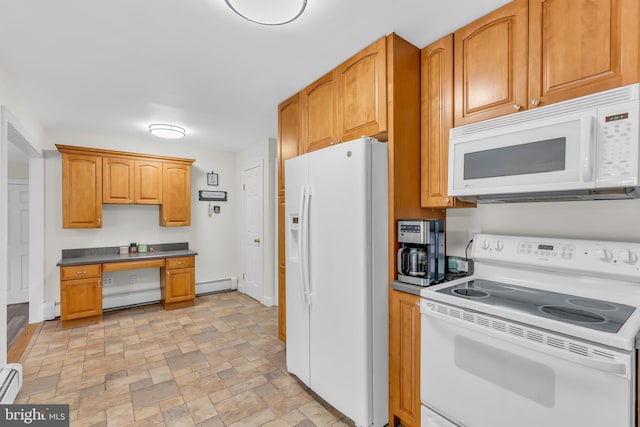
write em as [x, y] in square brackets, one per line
[582, 149]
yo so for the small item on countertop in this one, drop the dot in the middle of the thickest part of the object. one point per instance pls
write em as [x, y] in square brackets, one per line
[124, 250]
[151, 250]
[142, 248]
[133, 248]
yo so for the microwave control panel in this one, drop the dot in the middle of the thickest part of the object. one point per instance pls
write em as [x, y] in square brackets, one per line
[617, 149]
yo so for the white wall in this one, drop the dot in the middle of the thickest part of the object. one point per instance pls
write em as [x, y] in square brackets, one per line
[263, 153]
[14, 102]
[598, 220]
[213, 237]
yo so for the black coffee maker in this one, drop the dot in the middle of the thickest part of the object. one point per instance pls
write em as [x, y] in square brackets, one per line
[421, 259]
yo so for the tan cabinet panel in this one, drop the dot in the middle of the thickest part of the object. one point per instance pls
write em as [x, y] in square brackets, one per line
[362, 93]
[319, 105]
[579, 47]
[490, 70]
[404, 347]
[289, 134]
[148, 182]
[437, 120]
[176, 195]
[81, 191]
[117, 180]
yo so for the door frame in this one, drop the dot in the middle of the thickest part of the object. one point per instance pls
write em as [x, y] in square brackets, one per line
[242, 287]
[21, 139]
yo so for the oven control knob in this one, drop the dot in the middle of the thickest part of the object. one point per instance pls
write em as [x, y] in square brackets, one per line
[499, 245]
[605, 254]
[485, 245]
[628, 257]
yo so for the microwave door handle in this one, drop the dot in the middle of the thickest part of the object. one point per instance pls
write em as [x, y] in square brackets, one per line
[587, 141]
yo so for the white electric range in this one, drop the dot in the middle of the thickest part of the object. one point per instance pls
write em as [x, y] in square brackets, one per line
[543, 333]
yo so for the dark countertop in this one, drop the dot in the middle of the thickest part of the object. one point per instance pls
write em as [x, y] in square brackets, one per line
[112, 254]
[415, 289]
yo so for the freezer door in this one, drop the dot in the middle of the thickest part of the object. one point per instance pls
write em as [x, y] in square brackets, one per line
[340, 251]
[297, 350]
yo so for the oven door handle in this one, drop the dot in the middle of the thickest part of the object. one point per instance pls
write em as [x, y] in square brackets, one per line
[613, 367]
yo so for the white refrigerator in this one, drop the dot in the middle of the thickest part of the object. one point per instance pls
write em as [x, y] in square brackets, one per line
[336, 285]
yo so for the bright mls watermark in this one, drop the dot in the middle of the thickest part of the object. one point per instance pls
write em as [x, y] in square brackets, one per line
[34, 415]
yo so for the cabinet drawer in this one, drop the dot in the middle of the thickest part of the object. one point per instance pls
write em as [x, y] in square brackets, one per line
[80, 271]
[183, 262]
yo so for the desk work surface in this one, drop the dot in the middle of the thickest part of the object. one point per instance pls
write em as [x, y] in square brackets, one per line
[111, 254]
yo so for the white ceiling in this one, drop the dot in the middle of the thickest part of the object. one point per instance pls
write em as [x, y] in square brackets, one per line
[115, 66]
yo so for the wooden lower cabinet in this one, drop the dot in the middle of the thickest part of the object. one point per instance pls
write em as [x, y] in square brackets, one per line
[404, 359]
[80, 295]
[177, 283]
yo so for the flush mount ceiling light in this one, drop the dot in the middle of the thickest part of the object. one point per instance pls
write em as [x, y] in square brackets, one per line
[166, 131]
[268, 12]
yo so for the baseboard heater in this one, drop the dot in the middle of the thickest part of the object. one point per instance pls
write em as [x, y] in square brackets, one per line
[10, 383]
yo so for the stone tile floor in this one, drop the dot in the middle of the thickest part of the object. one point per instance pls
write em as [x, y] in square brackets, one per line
[218, 363]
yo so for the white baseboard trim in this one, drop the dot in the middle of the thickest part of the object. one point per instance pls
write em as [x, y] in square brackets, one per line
[149, 296]
[268, 301]
[214, 286]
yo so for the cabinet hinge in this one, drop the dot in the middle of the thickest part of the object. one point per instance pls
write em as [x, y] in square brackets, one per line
[242, 187]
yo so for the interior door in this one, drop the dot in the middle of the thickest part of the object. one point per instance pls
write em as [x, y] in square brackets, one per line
[18, 244]
[253, 216]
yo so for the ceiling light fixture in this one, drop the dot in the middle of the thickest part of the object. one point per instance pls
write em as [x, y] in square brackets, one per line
[272, 12]
[166, 130]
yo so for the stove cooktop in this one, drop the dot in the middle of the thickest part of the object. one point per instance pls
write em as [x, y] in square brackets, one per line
[590, 313]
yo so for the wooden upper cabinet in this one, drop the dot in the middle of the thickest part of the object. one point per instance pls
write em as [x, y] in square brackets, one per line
[148, 182]
[176, 195]
[289, 130]
[319, 113]
[490, 71]
[117, 180]
[437, 118]
[362, 93]
[81, 191]
[579, 47]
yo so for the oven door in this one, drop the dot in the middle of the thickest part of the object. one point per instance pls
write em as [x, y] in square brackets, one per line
[479, 371]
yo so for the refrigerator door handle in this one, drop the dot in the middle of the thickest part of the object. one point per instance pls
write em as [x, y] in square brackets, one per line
[304, 244]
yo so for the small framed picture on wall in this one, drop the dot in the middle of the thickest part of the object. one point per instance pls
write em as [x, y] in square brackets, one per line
[212, 179]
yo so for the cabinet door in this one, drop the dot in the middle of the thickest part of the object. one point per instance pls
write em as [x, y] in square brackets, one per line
[289, 116]
[81, 191]
[491, 65]
[578, 47]
[362, 93]
[176, 195]
[404, 359]
[148, 182]
[282, 272]
[319, 115]
[80, 298]
[437, 118]
[180, 285]
[117, 180]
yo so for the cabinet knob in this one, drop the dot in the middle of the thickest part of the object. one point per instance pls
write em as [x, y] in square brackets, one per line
[99, 283]
[446, 200]
[81, 272]
[535, 102]
[517, 107]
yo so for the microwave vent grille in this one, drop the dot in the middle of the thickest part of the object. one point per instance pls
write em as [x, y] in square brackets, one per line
[618, 95]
